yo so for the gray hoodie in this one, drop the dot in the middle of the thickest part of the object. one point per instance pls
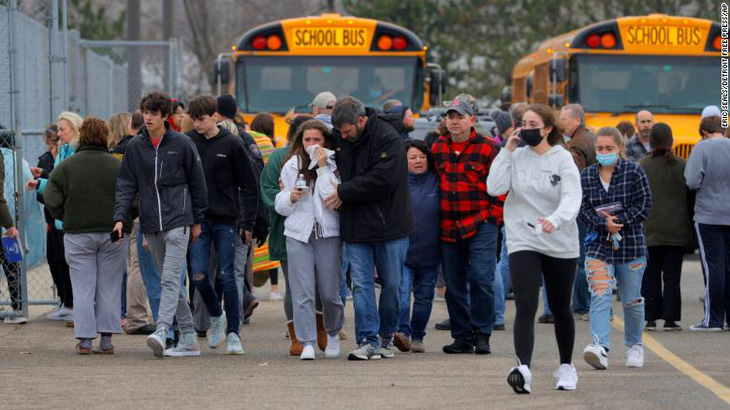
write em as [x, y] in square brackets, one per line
[708, 173]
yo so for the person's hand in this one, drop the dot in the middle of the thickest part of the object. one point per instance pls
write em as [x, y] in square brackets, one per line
[321, 156]
[12, 232]
[333, 201]
[247, 236]
[611, 225]
[32, 184]
[296, 195]
[145, 245]
[514, 140]
[118, 226]
[37, 172]
[195, 232]
[547, 226]
[281, 185]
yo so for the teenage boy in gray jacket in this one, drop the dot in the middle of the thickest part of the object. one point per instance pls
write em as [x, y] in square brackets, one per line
[164, 169]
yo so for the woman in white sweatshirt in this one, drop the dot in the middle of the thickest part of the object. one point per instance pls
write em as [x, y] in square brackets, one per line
[543, 190]
[313, 246]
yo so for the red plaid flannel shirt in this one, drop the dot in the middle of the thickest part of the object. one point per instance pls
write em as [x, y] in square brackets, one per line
[463, 182]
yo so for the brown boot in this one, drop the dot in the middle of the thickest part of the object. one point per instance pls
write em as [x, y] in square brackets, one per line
[321, 333]
[296, 348]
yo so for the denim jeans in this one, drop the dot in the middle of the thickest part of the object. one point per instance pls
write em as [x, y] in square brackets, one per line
[420, 281]
[223, 237]
[581, 295]
[601, 277]
[502, 283]
[372, 319]
[469, 266]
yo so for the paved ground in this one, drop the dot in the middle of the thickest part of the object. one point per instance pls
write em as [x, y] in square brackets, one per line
[39, 369]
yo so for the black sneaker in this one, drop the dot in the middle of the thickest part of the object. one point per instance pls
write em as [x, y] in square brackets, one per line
[546, 319]
[459, 347]
[481, 344]
[499, 327]
[671, 326]
[650, 326]
[445, 325]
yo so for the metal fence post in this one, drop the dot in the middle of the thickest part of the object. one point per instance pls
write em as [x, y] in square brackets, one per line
[66, 79]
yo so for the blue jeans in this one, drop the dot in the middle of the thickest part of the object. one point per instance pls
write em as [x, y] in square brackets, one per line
[223, 237]
[372, 320]
[581, 294]
[502, 283]
[420, 281]
[469, 266]
[601, 277]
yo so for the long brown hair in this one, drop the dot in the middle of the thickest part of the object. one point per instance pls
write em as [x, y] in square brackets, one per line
[661, 140]
[549, 119]
[297, 147]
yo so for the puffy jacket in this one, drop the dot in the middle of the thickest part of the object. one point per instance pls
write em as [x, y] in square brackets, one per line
[169, 180]
[301, 215]
[376, 202]
[423, 248]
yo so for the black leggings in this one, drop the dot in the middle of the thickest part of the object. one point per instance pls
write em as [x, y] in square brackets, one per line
[526, 269]
[58, 266]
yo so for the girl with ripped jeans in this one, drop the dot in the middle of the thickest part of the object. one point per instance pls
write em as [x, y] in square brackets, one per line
[616, 202]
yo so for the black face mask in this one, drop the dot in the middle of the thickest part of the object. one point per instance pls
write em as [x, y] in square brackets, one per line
[531, 136]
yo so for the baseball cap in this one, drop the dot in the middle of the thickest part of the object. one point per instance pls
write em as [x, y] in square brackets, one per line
[460, 106]
[323, 99]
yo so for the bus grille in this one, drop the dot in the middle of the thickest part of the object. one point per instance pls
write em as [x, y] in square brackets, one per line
[683, 150]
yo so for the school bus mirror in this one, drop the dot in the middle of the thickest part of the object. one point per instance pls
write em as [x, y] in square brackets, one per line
[558, 70]
[556, 100]
[438, 81]
[221, 71]
[506, 95]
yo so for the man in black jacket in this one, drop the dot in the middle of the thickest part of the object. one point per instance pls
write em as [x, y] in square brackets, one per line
[228, 176]
[375, 219]
[163, 168]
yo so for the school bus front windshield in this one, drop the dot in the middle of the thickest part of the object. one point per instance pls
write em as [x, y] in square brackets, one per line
[277, 83]
[629, 83]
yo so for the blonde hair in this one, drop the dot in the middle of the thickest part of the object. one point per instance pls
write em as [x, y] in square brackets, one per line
[75, 120]
[118, 128]
[619, 139]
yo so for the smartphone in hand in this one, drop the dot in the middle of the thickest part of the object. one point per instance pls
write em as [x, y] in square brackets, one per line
[115, 237]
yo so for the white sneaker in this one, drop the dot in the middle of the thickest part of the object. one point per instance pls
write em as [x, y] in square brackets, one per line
[186, 347]
[60, 314]
[275, 296]
[234, 344]
[17, 320]
[333, 347]
[520, 378]
[216, 331]
[567, 377]
[596, 356]
[307, 352]
[635, 356]
[156, 342]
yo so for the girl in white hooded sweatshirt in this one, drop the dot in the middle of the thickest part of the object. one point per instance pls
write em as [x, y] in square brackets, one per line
[313, 246]
[543, 190]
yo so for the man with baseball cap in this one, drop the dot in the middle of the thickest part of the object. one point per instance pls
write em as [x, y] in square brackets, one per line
[322, 106]
[469, 220]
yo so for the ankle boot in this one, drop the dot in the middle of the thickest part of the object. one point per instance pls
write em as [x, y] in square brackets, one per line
[321, 333]
[296, 348]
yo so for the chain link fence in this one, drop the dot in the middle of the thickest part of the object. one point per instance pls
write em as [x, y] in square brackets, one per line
[46, 69]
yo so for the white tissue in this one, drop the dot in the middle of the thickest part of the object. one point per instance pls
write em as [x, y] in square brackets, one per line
[312, 160]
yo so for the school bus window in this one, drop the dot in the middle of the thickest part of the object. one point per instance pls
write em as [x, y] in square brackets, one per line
[339, 78]
[276, 79]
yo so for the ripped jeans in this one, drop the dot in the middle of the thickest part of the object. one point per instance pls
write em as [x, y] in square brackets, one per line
[601, 278]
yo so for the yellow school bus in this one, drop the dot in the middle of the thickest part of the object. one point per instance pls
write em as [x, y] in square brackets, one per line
[665, 64]
[284, 64]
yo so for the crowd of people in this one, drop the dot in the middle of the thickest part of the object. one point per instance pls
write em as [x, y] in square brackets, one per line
[171, 200]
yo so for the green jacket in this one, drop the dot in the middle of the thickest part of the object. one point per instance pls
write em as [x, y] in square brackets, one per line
[81, 191]
[670, 220]
[269, 189]
[6, 221]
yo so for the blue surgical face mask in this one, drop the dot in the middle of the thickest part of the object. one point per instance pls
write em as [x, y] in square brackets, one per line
[607, 159]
